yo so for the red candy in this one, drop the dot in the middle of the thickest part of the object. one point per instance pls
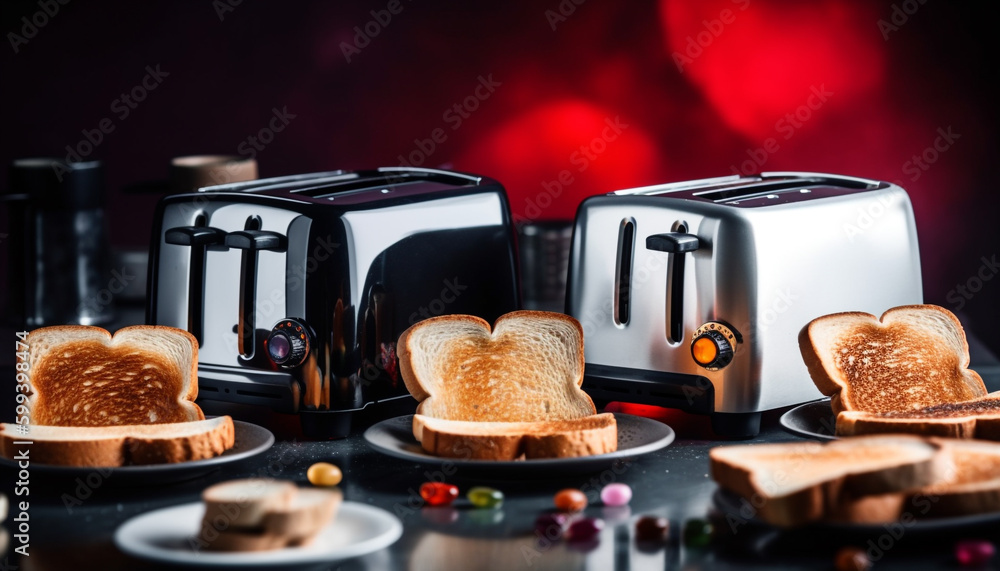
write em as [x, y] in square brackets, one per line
[974, 553]
[438, 493]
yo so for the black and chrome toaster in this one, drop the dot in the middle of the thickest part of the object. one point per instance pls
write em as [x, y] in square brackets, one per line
[692, 295]
[297, 288]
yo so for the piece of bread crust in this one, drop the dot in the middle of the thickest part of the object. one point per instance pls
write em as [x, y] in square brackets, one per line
[113, 446]
[978, 418]
[84, 376]
[914, 356]
[587, 436]
[799, 482]
[256, 514]
[243, 503]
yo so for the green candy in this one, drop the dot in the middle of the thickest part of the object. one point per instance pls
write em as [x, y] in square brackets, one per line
[697, 533]
[483, 497]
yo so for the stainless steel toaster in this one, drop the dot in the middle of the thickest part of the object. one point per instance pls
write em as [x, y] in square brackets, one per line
[692, 295]
[297, 288]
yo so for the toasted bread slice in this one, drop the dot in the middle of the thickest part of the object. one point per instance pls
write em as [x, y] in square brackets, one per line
[799, 482]
[914, 357]
[243, 503]
[978, 418]
[506, 394]
[112, 446]
[586, 436]
[256, 514]
[529, 368]
[971, 486]
[82, 376]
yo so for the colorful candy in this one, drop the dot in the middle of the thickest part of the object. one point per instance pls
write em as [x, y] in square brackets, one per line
[551, 525]
[585, 529]
[974, 552]
[616, 494]
[652, 529]
[697, 533]
[852, 559]
[324, 474]
[483, 497]
[438, 493]
[570, 500]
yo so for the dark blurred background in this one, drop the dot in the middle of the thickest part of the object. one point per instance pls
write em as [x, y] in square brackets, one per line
[903, 91]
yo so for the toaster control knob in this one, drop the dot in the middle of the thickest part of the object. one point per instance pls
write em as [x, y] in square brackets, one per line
[288, 343]
[714, 345]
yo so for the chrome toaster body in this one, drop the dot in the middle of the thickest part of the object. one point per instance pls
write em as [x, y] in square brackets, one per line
[298, 288]
[747, 261]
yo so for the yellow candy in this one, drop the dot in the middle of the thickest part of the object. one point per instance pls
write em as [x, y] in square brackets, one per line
[324, 474]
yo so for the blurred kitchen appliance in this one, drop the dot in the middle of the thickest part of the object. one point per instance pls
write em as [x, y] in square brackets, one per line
[692, 295]
[298, 287]
[58, 251]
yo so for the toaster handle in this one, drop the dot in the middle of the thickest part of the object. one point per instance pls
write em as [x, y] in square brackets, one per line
[677, 243]
[674, 242]
[251, 242]
[198, 238]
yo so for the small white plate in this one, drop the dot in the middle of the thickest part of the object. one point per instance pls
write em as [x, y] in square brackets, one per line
[169, 535]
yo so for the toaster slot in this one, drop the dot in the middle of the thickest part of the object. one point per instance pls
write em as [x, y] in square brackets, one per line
[623, 271]
[250, 241]
[198, 237]
[677, 244]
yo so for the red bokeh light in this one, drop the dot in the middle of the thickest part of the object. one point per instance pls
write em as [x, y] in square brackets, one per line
[757, 62]
[555, 155]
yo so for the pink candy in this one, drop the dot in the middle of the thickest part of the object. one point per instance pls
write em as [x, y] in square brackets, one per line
[616, 494]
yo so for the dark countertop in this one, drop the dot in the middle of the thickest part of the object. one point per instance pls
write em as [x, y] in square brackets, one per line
[672, 482]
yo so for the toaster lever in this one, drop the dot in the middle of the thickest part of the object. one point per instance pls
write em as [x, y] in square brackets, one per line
[199, 238]
[676, 243]
[251, 242]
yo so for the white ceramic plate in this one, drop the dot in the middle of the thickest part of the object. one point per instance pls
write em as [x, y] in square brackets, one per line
[168, 535]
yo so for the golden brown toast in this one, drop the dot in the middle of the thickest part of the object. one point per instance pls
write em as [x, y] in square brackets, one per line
[82, 376]
[525, 373]
[915, 356]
